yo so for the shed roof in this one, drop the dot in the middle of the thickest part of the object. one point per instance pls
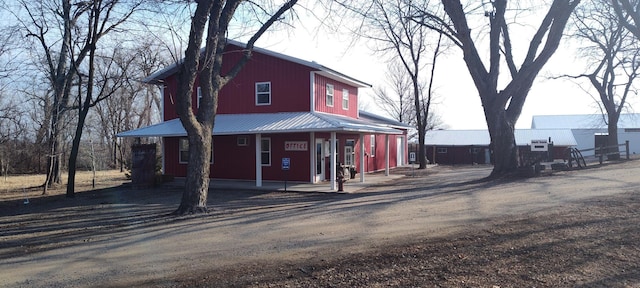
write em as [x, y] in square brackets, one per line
[560, 137]
[286, 122]
[375, 118]
[582, 121]
[157, 76]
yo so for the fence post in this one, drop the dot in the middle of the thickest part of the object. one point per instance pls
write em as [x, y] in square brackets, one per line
[626, 144]
[601, 154]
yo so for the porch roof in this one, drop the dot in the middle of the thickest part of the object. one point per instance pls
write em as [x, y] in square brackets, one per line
[284, 122]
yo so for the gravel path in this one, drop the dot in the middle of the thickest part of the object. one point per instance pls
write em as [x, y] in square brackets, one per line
[120, 237]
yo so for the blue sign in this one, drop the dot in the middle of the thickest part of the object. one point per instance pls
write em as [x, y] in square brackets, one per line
[286, 163]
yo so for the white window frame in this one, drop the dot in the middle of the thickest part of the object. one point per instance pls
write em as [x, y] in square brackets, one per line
[349, 156]
[185, 140]
[258, 93]
[265, 139]
[372, 145]
[181, 144]
[329, 94]
[242, 141]
[198, 96]
[442, 150]
[345, 99]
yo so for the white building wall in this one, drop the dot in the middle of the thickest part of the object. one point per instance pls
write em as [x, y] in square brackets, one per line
[586, 139]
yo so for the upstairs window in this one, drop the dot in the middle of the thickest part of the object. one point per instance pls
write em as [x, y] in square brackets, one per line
[345, 99]
[329, 95]
[263, 93]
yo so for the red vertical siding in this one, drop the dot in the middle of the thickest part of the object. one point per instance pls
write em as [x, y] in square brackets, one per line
[320, 84]
[171, 165]
[300, 160]
[232, 161]
[290, 86]
[238, 162]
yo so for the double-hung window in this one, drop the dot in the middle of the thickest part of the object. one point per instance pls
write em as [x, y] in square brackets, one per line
[345, 99]
[183, 144]
[265, 151]
[329, 93]
[373, 145]
[199, 94]
[263, 93]
[183, 151]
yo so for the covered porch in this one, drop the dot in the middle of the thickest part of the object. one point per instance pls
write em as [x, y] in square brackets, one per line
[321, 128]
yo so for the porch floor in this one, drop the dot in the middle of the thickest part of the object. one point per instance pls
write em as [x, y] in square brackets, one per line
[352, 185]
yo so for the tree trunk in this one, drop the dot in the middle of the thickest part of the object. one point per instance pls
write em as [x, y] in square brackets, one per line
[422, 152]
[194, 197]
[503, 143]
[612, 138]
[53, 158]
[73, 156]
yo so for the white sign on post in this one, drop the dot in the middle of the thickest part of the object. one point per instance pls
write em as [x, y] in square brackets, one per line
[286, 163]
[412, 157]
[539, 146]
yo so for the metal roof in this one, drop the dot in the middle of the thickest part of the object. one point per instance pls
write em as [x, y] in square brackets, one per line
[583, 121]
[286, 122]
[157, 76]
[561, 137]
[375, 118]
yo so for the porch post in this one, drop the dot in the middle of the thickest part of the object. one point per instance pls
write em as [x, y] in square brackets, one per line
[312, 157]
[386, 154]
[361, 158]
[258, 160]
[332, 162]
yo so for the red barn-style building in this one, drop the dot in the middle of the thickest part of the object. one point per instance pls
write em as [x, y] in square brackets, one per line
[281, 112]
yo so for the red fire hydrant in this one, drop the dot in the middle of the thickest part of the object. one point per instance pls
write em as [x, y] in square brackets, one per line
[340, 178]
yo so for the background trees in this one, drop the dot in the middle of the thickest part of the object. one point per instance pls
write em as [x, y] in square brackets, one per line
[64, 71]
[613, 56]
[502, 99]
[414, 47]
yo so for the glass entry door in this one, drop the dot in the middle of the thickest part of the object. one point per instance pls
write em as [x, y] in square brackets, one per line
[319, 160]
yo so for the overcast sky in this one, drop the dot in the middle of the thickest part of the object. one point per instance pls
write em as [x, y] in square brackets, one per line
[459, 103]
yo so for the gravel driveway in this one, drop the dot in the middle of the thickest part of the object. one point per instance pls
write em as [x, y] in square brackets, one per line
[122, 237]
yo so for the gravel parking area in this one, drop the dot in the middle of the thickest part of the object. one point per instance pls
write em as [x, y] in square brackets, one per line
[440, 228]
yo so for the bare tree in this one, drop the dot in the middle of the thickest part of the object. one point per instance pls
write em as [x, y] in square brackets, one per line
[11, 129]
[60, 65]
[64, 34]
[206, 65]
[390, 26]
[628, 11]
[614, 59]
[102, 18]
[397, 102]
[502, 104]
[135, 104]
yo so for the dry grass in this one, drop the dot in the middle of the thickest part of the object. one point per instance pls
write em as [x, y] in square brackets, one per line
[21, 186]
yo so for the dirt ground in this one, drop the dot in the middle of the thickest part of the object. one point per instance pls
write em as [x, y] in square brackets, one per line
[437, 229]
